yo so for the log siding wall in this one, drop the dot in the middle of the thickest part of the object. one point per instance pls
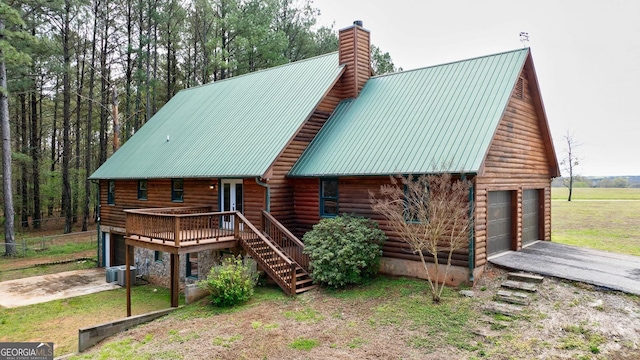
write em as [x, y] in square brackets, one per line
[282, 205]
[517, 160]
[196, 193]
[354, 53]
[353, 198]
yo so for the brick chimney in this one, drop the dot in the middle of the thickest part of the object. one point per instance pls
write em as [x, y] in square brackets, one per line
[354, 52]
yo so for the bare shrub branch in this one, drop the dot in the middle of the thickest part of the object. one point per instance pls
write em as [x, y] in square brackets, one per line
[430, 213]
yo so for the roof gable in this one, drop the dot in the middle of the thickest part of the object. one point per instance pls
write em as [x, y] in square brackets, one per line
[416, 121]
[230, 128]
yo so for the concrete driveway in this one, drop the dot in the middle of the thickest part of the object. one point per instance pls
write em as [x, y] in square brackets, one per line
[39, 289]
[601, 268]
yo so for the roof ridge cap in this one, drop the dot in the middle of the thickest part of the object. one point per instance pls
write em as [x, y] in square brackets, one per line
[261, 70]
[451, 62]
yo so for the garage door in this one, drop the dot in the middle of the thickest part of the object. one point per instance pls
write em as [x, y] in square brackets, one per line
[530, 216]
[118, 251]
[499, 222]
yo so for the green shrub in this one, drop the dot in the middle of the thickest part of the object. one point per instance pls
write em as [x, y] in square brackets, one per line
[230, 283]
[344, 250]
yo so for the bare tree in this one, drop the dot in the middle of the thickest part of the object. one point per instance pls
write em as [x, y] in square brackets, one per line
[570, 161]
[430, 213]
[7, 191]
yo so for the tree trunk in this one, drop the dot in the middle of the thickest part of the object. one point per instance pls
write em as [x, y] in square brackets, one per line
[24, 149]
[35, 160]
[54, 148]
[155, 56]
[104, 91]
[9, 236]
[78, 137]
[148, 64]
[136, 121]
[128, 74]
[87, 159]
[66, 114]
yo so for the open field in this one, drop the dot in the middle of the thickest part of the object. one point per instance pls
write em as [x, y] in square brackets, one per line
[392, 318]
[596, 193]
[59, 320]
[610, 222]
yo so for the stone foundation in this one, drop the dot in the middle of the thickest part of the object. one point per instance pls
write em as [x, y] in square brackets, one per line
[158, 272]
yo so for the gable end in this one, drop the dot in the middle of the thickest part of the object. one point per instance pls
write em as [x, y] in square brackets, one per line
[522, 145]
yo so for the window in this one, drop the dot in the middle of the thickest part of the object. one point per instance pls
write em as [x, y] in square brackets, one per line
[177, 190]
[328, 197]
[157, 256]
[192, 265]
[142, 189]
[111, 192]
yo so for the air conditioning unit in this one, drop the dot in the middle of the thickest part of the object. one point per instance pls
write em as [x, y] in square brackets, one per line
[122, 279]
[112, 274]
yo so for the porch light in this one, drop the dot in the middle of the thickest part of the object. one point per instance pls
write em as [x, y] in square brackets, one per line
[212, 186]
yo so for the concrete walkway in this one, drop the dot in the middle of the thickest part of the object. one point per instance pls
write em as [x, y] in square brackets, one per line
[601, 268]
[39, 289]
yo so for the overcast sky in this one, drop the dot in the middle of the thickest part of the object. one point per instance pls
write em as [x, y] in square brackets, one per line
[586, 54]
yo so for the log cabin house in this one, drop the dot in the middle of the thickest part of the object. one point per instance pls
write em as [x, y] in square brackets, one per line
[252, 162]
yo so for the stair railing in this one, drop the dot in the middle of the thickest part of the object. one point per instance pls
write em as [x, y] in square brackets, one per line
[281, 269]
[285, 239]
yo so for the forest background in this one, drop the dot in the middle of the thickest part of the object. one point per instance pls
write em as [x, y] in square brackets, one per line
[82, 76]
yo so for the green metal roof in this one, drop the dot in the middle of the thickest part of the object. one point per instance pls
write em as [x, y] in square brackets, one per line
[415, 121]
[230, 128]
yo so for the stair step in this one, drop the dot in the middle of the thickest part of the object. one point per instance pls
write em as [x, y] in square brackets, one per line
[504, 309]
[303, 282]
[524, 277]
[519, 285]
[511, 297]
[301, 290]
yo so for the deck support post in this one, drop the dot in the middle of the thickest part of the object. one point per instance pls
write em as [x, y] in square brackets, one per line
[127, 276]
[176, 231]
[175, 278]
[236, 227]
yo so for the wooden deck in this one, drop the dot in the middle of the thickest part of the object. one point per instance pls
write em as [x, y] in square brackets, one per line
[184, 230]
[187, 230]
[224, 241]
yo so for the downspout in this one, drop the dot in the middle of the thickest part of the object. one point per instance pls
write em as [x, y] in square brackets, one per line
[471, 235]
[266, 186]
[98, 225]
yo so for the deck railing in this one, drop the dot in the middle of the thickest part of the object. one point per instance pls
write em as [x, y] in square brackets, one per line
[285, 239]
[273, 247]
[186, 225]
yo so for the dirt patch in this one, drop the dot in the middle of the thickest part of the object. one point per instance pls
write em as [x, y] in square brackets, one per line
[39, 289]
[564, 320]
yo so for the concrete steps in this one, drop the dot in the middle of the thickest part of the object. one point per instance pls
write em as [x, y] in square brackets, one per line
[524, 277]
[514, 295]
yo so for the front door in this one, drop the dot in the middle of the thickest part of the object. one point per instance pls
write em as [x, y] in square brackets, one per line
[231, 199]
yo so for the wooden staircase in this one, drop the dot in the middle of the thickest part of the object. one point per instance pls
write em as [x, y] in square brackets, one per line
[279, 253]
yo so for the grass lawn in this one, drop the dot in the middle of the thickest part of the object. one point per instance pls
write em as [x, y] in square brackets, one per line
[19, 273]
[390, 318]
[607, 223]
[54, 252]
[59, 320]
